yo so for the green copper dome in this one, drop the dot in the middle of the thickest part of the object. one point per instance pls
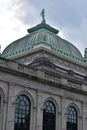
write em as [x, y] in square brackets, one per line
[42, 34]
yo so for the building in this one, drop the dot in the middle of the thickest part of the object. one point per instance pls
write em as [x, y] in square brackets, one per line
[43, 83]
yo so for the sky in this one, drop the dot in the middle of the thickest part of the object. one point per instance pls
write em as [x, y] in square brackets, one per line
[68, 16]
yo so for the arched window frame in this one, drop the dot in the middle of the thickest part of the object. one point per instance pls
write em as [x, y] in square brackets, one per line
[26, 110]
[71, 118]
[44, 110]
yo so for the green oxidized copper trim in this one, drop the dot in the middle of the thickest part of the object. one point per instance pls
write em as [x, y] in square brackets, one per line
[43, 25]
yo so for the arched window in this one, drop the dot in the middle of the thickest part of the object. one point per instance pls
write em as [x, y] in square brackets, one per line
[22, 113]
[49, 116]
[71, 118]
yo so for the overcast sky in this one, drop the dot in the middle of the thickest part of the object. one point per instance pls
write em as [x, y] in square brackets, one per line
[68, 16]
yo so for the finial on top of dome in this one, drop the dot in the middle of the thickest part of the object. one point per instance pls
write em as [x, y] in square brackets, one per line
[43, 15]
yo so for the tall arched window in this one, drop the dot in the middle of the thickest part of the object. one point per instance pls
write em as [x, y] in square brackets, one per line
[49, 116]
[71, 118]
[22, 113]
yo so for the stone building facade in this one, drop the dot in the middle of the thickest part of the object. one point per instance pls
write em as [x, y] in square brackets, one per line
[43, 83]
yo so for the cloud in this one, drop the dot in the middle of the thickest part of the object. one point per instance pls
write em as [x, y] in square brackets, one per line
[77, 36]
[24, 10]
[13, 17]
[69, 13]
[11, 28]
[71, 18]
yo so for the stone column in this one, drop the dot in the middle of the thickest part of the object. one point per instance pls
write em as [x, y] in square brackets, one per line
[4, 115]
[5, 107]
[10, 108]
[59, 126]
[63, 127]
[84, 117]
[34, 117]
[80, 123]
[39, 112]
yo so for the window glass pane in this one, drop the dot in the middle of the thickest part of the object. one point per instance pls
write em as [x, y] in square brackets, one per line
[49, 116]
[71, 118]
[22, 113]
